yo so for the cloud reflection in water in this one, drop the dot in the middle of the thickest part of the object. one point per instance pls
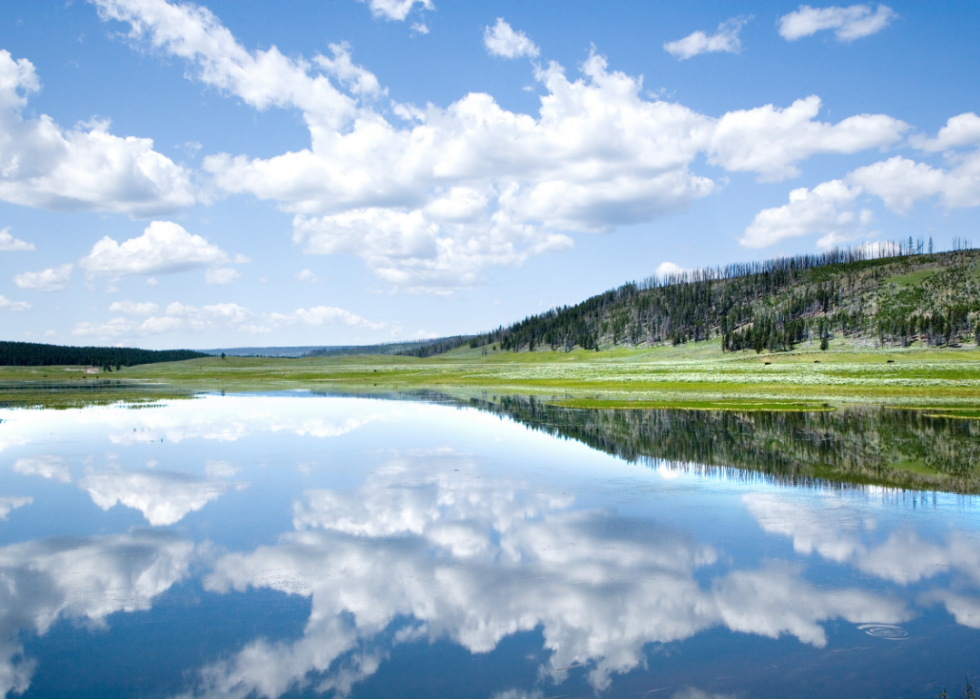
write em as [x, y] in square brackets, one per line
[163, 497]
[473, 558]
[79, 578]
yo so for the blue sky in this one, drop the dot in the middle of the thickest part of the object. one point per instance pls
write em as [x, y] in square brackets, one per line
[247, 173]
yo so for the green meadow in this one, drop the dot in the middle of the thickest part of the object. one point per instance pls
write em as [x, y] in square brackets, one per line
[694, 376]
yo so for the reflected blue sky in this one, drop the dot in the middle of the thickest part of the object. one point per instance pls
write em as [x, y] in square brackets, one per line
[295, 545]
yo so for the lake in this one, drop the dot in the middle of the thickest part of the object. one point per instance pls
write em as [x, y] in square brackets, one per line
[301, 545]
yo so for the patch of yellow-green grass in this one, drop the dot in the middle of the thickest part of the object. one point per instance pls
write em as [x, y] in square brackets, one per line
[915, 466]
[955, 413]
[692, 374]
[730, 406]
[913, 278]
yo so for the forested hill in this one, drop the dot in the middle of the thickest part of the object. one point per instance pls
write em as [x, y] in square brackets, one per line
[904, 298]
[32, 354]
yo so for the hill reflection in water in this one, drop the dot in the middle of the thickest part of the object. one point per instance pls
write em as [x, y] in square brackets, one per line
[910, 449]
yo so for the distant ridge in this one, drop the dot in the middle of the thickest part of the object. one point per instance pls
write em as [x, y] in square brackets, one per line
[394, 348]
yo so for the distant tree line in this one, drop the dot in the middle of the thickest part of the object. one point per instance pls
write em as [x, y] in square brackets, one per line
[35, 354]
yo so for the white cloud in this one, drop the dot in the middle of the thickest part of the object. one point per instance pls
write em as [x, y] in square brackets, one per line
[163, 498]
[597, 155]
[420, 28]
[854, 22]
[51, 279]
[306, 277]
[899, 182]
[9, 503]
[724, 40]
[357, 79]
[503, 41]
[176, 318]
[147, 308]
[47, 466]
[827, 208]
[8, 305]
[420, 251]
[962, 130]
[322, 315]
[164, 248]
[85, 168]
[770, 141]
[668, 269]
[222, 275]
[396, 10]
[180, 318]
[150, 281]
[9, 243]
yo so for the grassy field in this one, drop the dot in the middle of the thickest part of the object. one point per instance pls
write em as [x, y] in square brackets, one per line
[697, 376]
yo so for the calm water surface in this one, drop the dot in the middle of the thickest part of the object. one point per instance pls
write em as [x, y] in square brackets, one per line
[297, 545]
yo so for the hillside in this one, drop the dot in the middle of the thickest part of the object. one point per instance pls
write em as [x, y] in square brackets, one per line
[901, 300]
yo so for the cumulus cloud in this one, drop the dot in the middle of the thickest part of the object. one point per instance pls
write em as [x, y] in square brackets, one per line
[503, 41]
[179, 317]
[668, 269]
[422, 250]
[9, 503]
[432, 200]
[322, 315]
[827, 208]
[164, 248]
[849, 23]
[51, 279]
[222, 275]
[769, 141]
[8, 305]
[306, 277]
[47, 466]
[8, 243]
[163, 498]
[724, 40]
[147, 308]
[396, 10]
[85, 168]
[900, 182]
[962, 130]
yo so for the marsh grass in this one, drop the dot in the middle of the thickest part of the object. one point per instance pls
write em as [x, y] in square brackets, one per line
[695, 376]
